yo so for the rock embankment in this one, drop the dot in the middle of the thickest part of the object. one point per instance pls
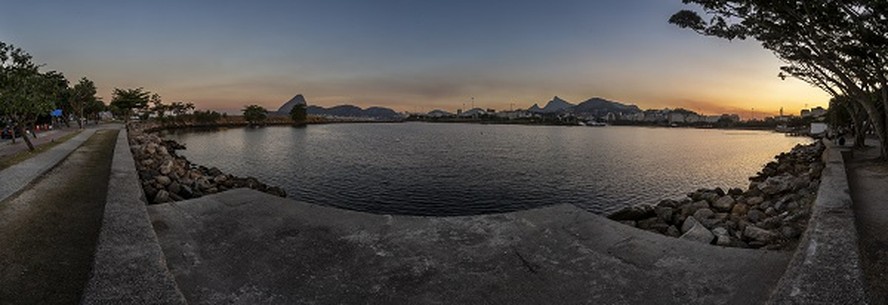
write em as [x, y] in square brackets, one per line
[771, 214]
[167, 177]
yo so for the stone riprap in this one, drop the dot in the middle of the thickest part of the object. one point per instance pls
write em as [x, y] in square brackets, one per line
[772, 213]
[167, 177]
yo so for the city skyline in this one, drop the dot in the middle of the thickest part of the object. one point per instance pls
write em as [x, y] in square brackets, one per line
[404, 55]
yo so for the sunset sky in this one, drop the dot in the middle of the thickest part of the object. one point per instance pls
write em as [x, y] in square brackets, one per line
[407, 55]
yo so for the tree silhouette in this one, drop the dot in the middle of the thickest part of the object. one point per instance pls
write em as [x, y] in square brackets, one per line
[837, 46]
[298, 113]
[255, 114]
[128, 100]
[81, 97]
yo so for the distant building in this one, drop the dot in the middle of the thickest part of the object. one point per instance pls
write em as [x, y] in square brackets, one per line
[517, 114]
[815, 112]
[473, 113]
[676, 117]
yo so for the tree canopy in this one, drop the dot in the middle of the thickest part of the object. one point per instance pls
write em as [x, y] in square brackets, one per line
[25, 92]
[255, 114]
[298, 113]
[128, 100]
[840, 47]
[82, 97]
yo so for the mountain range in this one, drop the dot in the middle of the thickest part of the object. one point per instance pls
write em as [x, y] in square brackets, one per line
[354, 111]
[288, 106]
[595, 106]
[339, 111]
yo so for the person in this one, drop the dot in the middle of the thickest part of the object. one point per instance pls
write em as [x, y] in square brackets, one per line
[841, 140]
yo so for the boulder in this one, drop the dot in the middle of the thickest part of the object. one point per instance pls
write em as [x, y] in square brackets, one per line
[759, 234]
[777, 184]
[163, 180]
[698, 233]
[692, 208]
[723, 240]
[740, 209]
[667, 203]
[673, 231]
[754, 201]
[703, 214]
[646, 224]
[664, 213]
[709, 196]
[755, 215]
[688, 224]
[789, 232]
[735, 191]
[637, 212]
[186, 192]
[723, 204]
[174, 188]
[162, 197]
[166, 167]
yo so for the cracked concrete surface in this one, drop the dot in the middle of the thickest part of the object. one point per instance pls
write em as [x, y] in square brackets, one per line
[246, 247]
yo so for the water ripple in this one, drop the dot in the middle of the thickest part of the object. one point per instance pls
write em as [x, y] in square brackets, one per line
[464, 169]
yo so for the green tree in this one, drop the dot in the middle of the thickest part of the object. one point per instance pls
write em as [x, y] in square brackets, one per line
[25, 92]
[159, 108]
[181, 108]
[840, 47]
[255, 114]
[94, 107]
[298, 113]
[80, 97]
[126, 101]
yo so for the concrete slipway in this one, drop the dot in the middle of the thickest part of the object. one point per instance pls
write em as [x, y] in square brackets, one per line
[247, 247]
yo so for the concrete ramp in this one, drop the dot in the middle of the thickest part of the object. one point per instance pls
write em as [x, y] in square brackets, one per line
[247, 247]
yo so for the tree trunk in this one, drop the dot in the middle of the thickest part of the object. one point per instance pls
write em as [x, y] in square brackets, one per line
[859, 123]
[24, 134]
[877, 119]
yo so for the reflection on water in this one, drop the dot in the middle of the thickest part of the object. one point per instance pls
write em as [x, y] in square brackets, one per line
[461, 169]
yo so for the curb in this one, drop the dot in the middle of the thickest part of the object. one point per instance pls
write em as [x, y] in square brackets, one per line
[129, 265]
[825, 268]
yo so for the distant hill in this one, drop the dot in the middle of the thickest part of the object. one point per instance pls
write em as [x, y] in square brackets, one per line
[439, 113]
[288, 106]
[354, 111]
[600, 107]
[553, 106]
[339, 111]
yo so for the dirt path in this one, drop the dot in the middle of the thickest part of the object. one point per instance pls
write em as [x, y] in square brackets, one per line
[869, 191]
[48, 232]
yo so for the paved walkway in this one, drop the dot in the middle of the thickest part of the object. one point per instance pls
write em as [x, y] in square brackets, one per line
[247, 247]
[16, 177]
[869, 190]
[48, 231]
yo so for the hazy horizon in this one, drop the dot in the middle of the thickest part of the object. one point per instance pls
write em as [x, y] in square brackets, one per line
[409, 56]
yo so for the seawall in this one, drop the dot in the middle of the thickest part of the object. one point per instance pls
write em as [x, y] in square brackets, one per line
[825, 268]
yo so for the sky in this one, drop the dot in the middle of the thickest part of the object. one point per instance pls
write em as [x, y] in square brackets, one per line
[403, 54]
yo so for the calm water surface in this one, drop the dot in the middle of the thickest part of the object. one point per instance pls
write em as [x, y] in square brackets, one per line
[462, 169]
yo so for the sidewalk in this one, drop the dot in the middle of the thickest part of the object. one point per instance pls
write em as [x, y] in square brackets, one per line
[7, 148]
[48, 231]
[869, 191]
[16, 177]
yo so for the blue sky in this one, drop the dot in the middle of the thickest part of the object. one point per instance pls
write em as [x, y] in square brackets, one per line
[408, 55]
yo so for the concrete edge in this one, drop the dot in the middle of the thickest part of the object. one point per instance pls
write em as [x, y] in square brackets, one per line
[129, 265]
[826, 268]
[70, 145]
